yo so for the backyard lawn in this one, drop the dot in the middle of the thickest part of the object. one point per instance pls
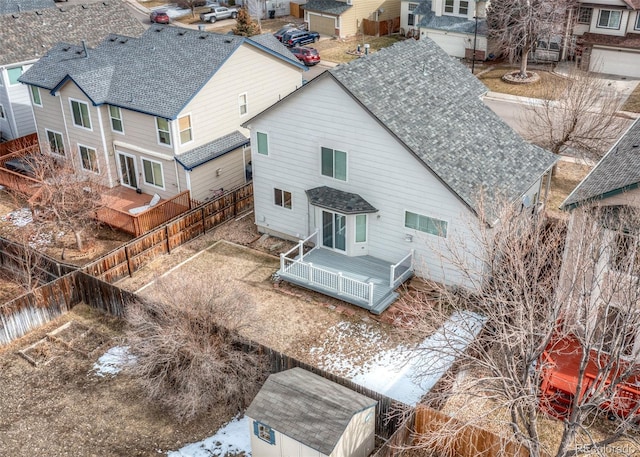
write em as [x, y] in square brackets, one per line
[492, 78]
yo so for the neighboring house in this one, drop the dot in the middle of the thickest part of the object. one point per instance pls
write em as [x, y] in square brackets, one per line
[400, 149]
[28, 35]
[298, 413]
[613, 188]
[161, 112]
[344, 18]
[606, 37]
[451, 24]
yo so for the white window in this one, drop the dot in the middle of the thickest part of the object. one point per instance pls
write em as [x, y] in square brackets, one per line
[463, 9]
[624, 256]
[411, 19]
[243, 104]
[637, 27]
[89, 158]
[263, 143]
[153, 173]
[609, 19]
[35, 96]
[80, 112]
[264, 432]
[448, 6]
[361, 228]
[425, 224]
[56, 144]
[584, 15]
[14, 73]
[456, 7]
[184, 125]
[2, 115]
[164, 134]
[282, 198]
[116, 119]
[334, 164]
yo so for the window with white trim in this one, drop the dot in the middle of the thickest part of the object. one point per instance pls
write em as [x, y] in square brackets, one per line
[425, 224]
[35, 96]
[584, 15]
[282, 198]
[448, 6]
[14, 73]
[56, 144]
[243, 104]
[80, 112]
[361, 228]
[152, 172]
[184, 125]
[164, 134]
[89, 158]
[637, 27]
[264, 432]
[334, 163]
[456, 7]
[411, 19]
[115, 114]
[624, 257]
[263, 143]
[609, 19]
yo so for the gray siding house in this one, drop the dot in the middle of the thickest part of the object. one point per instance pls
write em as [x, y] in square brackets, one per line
[161, 112]
[298, 413]
[28, 29]
[388, 176]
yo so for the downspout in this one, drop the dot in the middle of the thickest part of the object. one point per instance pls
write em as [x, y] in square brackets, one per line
[104, 146]
[66, 128]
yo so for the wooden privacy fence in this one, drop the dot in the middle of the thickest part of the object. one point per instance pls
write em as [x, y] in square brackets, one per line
[22, 260]
[24, 142]
[295, 10]
[449, 437]
[381, 28]
[132, 256]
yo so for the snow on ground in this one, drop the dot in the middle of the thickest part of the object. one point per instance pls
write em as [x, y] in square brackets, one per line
[405, 373]
[233, 438]
[19, 217]
[112, 361]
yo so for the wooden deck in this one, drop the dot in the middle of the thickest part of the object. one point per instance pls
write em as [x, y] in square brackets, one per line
[123, 198]
[365, 269]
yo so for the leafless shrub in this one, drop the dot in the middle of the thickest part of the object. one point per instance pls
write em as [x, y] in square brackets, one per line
[190, 355]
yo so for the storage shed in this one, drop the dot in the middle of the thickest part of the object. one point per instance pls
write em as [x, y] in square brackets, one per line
[300, 414]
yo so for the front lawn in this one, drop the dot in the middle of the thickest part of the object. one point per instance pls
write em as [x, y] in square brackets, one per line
[344, 50]
[540, 89]
[633, 102]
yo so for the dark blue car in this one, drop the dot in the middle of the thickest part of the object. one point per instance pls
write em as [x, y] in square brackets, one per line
[300, 37]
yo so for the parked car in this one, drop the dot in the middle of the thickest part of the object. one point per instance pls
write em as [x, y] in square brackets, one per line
[280, 33]
[308, 56]
[218, 13]
[300, 37]
[159, 17]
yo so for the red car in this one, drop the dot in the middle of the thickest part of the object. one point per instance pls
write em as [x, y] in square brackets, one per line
[159, 17]
[308, 56]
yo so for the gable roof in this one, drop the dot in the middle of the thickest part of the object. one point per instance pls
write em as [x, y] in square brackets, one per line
[308, 408]
[429, 20]
[334, 7]
[28, 36]
[20, 6]
[432, 105]
[340, 201]
[212, 150]
[157, 73]
[617, 172]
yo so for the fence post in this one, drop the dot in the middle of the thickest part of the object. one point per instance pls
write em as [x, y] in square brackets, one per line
[166, 234]
[204, 223]
[126, 253]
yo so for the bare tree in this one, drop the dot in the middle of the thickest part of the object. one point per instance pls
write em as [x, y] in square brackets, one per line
[191, 5]
[516, 25]
[190, 356]
[530, 317]
[579, 118]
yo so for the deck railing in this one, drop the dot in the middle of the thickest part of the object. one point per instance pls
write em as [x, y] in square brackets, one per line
[401, 271]
[292, 263]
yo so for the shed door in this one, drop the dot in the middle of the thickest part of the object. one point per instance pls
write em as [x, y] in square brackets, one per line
[322, 25]
[289, 448]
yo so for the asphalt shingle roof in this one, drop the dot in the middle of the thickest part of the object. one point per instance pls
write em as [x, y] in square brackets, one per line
[306, 407]
[337, 200]
[429, 20]
[20, 6]
[618, 170]
[29, 35]
[327, 6]
[157, 73]
[216, 148]
[433, 105]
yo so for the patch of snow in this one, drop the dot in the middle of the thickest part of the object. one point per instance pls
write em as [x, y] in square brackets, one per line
[233, 437]
[19, 217]
[405, 373]
[112, 361]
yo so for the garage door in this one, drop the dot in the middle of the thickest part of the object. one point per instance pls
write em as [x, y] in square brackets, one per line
[324, 25]
[623, 63]
[453, 44]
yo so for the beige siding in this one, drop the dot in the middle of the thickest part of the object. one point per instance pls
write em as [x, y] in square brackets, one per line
[351, 19]
[358, 439]
[283, 446]
[206, 178]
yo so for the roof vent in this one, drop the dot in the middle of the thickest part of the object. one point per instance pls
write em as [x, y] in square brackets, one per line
[159, 29]
[203, 37]
[112, 39]
[227, 40]
[38, 13]
[66, 48]
[124, 40]
[84, 7]
[636, 146]
[181, 33]
[15, 16]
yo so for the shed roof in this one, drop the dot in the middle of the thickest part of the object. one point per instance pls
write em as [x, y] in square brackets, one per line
[212, 150]
[617, 171]
[308, 408]
[21, 6]
[337, 200]
[157, 73]
[29, 35]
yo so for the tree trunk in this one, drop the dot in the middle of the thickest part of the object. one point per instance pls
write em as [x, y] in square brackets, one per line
[79, 243]
[523, 63]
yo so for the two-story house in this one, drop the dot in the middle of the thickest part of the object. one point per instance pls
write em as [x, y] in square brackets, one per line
[606, 36]
[457, 26]
[28, 29]
[162, 112]
[343, 18]
[402, 153]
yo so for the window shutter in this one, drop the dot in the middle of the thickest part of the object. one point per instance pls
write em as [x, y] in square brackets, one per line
[272, 436]
[255, 429]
